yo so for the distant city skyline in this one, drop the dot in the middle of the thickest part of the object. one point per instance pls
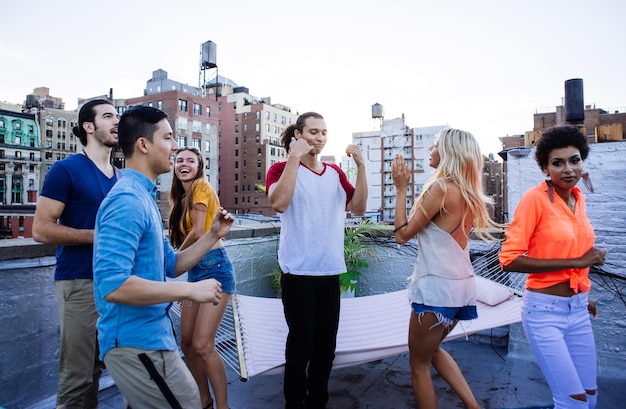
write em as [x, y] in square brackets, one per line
[480, 66]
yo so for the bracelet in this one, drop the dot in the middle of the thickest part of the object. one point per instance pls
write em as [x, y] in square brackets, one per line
[404, 225]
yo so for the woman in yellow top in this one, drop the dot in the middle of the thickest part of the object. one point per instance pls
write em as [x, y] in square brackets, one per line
[193, 203]
[551, 238]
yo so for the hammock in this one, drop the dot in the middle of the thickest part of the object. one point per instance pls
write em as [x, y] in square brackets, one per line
[252, 336]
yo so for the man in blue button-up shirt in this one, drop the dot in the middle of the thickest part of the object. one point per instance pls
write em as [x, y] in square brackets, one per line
[132, 257]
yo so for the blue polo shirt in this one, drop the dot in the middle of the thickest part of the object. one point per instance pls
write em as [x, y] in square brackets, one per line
[129, 240]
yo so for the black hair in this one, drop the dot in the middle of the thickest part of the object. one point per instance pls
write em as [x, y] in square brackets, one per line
[289, 133]
[560, 137]
[87, 113]
[138, 121]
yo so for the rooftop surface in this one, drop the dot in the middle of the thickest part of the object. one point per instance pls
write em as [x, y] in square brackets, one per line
[497, 380]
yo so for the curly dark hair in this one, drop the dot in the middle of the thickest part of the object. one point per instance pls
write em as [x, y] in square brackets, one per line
[560, 137]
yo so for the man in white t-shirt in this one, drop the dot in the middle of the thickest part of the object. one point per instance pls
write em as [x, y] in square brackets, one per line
[312, 197]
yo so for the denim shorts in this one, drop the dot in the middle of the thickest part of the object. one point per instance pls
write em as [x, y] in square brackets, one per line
[447, 315]
[215, 264]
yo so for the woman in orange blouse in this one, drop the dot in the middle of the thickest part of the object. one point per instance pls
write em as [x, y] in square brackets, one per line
[551, 238]
[193, 204]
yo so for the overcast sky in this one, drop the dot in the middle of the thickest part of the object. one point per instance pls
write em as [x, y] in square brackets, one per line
[483, 66]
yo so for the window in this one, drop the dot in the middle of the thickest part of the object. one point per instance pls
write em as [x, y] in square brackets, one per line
[267, 114]
[196, 143]
[208, 112]
[257, 114]
[49, 121]
[237, 128]
[160, 104]
[3, 189]
[207, 146]
[182, 105]
[16, 189]
[197, 109]
[181, 140]
[257, 127]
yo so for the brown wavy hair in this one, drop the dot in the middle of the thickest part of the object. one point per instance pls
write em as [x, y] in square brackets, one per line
[180, 202]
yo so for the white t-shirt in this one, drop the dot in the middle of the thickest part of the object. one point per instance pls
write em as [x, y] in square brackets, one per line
[313, 225]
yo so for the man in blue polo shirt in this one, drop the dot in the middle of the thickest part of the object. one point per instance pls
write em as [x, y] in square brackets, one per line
[132, 257]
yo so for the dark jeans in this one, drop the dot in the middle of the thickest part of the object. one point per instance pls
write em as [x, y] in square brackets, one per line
[311, 307]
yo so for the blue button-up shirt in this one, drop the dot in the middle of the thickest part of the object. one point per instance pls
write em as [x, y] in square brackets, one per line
[129, 240]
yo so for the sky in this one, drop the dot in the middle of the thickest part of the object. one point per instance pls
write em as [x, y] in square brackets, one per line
[482, 66]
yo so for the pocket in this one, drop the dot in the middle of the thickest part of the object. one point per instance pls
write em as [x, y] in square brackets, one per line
[211, 261]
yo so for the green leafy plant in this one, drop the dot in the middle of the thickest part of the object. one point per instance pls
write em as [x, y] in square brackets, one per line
[275, 284]
[356, 251]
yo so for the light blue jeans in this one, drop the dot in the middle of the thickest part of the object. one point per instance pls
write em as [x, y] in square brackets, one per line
[560, 334]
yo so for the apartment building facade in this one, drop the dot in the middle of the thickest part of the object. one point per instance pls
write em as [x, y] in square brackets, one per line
[249, 143]
[20, 166]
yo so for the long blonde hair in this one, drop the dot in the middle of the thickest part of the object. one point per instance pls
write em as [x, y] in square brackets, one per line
[461, 163]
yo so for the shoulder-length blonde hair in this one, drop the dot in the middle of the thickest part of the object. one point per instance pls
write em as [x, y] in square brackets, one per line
[461, 163]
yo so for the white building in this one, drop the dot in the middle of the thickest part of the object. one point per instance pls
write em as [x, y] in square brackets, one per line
[380, 147]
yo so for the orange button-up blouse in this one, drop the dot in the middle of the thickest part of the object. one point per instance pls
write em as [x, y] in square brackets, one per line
[545, 229]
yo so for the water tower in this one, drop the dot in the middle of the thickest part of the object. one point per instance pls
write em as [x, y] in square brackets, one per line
[574, 102]
[378, 114]
[208, 55]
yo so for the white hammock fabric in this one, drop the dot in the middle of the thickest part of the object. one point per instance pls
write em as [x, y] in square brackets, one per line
[251, 338]
[370, 328]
